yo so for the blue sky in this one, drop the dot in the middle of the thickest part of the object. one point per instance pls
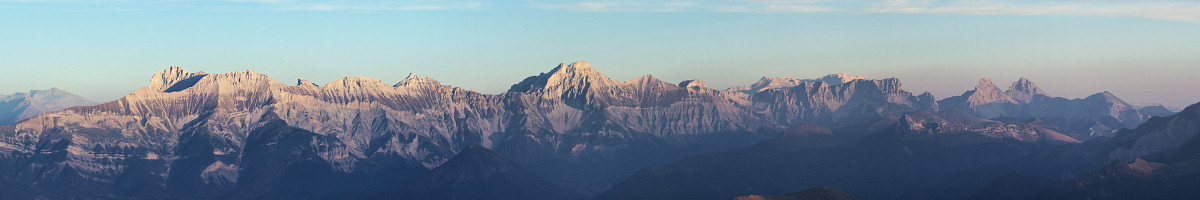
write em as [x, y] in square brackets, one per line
[1142, 51]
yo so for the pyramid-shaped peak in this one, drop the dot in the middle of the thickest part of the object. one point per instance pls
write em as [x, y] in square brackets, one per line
[576, 68]
[1024, 89]
[986, 81]
[414, 80]
[986, 85]
[987, 92]
[1105, 96]
[1024, 82]
[576, 76]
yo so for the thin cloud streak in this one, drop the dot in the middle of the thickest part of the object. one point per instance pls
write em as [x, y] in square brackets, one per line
[354, 7]
[1159, 10]
[617, 6]
[1181, 11]
[1168, 10]
[297, 5]
[261, 5]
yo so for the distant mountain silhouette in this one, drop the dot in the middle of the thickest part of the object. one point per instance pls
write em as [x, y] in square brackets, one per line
[1100, 114]
[21, 106]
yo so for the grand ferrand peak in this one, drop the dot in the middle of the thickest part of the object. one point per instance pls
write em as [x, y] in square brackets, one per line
[162, 81]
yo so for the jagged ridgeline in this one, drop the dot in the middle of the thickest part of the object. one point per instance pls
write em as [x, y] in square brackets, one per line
[245, 135]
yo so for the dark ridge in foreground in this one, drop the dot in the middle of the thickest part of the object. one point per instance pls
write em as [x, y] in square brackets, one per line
[818, 193]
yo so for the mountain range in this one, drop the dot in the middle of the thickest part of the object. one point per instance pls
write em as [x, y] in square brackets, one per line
[23, 105]
[571, 132]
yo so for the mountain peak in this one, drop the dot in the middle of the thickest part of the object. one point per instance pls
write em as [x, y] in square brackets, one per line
[582, 64]
[576, 68]
[985, 83]
[302, 82]
[1025, 84]
[986, 92]
[163, 80]
[1105, 95]
[564, 78]
[1109, 99]
[699, 84]
[414, 80]
[473, 162]
[1024, 90]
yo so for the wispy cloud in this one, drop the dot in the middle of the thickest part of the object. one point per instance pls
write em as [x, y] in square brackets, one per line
[681, 5]
[263, 5]
[468, 5]
[1170, 10]
[1183, 11]
[309, 5]
[616, 6]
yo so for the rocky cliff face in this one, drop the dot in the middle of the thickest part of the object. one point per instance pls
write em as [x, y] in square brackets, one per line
[856, 101]
[194, 134]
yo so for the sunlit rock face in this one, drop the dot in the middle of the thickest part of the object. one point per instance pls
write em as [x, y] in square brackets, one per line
[195, 134]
